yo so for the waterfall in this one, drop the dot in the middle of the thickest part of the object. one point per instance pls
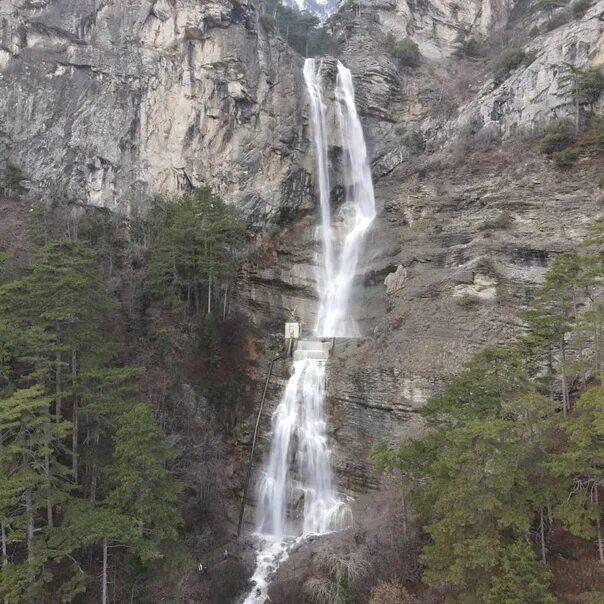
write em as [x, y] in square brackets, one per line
[298, 468]
[355, 216]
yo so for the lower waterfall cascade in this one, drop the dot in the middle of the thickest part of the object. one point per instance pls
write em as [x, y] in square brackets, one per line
[298, 467]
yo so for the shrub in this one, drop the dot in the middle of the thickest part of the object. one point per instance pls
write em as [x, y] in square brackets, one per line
[507, 61]
[391, 592]
[503, 221]
[558, 135]
[416, 141]
[557, 20]
[321, 42]
[529, 57]
[268, 22]
[405, 51]
[566, 158]
[12, 179]
[580, 7]
[590, 85]
[469, 302]
[595, 135]
[486, 266]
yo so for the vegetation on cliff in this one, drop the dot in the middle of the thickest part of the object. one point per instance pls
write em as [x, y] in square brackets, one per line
[513, 454]
[91, 487]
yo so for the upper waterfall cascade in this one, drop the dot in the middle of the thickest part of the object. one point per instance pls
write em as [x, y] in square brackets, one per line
[356, 213]
[297, 494]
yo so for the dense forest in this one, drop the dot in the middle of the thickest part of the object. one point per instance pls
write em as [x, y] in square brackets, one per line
[92, 316]
[507, 481]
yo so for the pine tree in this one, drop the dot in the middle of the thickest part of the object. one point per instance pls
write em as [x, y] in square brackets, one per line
[551, 318]
[196, 245]
[582, 465]
[27, 438]
[521, 579]
[141, 486]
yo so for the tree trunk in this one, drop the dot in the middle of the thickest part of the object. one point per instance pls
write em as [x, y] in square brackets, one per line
[580, 341]
[74, 442]
[565, 395]
[599, 526]
[30, 526]
[58, 386]
[226, 299]
[210, 292]
[104, 585]
[74, 436]
[48, 491]
[4, 546]
[404, 505]
[93, 484]
[597, 344]
[542, 533]
[47, 467]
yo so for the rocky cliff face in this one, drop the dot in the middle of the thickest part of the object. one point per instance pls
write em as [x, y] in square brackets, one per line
[111, 102]
[470, 215]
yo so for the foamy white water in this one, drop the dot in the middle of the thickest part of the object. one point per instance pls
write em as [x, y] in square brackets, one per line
[297, 495]
[312, 78]
[355, 217]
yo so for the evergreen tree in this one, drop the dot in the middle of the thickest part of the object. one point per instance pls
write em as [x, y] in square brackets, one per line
[196, 245]
[582, 466]
[521, 578]
[27, 439]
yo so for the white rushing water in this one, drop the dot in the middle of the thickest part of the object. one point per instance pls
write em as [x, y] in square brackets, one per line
[355, 217]
[298, 468]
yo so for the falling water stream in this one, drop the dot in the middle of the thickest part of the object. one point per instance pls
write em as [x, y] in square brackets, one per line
[297, 495]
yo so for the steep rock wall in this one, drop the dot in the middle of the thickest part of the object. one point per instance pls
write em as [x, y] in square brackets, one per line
[111, 102]
[466, 229]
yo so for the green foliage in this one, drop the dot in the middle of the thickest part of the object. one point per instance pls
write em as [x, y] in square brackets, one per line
[344, 594]
[590, 85]
[502, 221]
[416, 141]
[549, 6]
[467, 44]
[507, 61]
[584, 87]
[580, 7]
[302, 30]
[486, 266]
[582, 465]
[558, 135]
[595, 135]
[12, 179]
[469, 302]
[566, 158]
[195, 246]
[268, 22]
[83, 462]
[405, 51]
[522, 579]
[141, 487]
[211, 341]
[498, 453]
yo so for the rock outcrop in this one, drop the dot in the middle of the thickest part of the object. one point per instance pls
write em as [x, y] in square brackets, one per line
[112, 102]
